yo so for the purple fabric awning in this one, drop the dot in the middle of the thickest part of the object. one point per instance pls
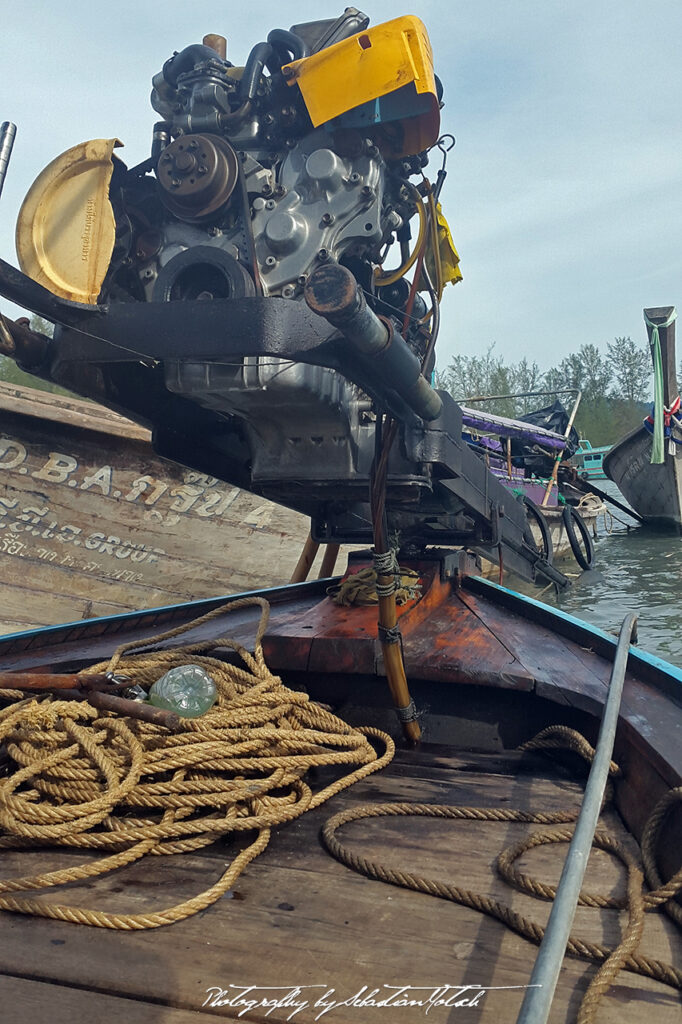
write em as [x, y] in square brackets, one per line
[503, 427]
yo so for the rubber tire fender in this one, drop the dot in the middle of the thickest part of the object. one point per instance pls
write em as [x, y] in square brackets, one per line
[547, 550]
[572, 518]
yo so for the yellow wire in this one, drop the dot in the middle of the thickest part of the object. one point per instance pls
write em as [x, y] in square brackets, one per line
[392, 276]
[435, 246]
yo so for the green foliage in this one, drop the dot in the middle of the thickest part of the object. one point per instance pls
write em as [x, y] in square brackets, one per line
[630, 370]
[614, 387]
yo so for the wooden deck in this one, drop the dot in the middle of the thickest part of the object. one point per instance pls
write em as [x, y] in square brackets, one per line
[299, 918]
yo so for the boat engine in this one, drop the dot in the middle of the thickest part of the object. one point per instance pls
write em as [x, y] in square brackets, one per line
[258, 174]
[263, 290]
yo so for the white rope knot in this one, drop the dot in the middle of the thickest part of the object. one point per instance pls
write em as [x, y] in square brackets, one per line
[386, 564]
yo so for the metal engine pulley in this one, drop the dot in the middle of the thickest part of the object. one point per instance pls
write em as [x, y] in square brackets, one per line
[197, 175]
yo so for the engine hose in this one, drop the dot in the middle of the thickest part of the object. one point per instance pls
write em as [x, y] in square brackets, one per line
[260, 55]
[235, 118]
[435, 244]
[288, 45]
[571, 519]
[382, 279]
[185, 61]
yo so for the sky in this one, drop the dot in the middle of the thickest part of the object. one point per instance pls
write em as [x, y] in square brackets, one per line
[564, 190]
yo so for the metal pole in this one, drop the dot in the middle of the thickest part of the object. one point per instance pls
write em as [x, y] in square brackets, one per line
[7, 133]
[333, 293]
[557, 460]
[520, 394]
[538, 999]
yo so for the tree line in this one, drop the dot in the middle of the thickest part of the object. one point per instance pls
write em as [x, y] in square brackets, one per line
[615, 386]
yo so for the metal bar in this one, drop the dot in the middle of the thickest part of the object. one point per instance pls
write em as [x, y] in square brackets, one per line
[332, 292]
[8, 132]
[521, 394]
[540, 992]
[557, 459]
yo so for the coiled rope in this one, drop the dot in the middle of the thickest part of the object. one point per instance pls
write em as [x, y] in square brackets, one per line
[590, 502]
[362, 588]
[89, 780]
[625, 956]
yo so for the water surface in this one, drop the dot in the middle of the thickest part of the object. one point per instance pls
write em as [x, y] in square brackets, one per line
[636, 569]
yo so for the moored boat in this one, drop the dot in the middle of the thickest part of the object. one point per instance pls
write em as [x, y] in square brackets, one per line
[93, 522]
[528, 456]
[278, 372]
[646, 464]
[588, 460]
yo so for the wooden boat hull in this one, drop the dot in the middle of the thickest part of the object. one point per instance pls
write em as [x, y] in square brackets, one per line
[92, 522]
[489, 669]
[654, 491]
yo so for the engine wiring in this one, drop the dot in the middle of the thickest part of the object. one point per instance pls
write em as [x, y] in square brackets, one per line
[383, 278]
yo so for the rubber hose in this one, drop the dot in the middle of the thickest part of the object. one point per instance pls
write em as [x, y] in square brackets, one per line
[536, 514]
[260, 55]
[185, 60]
[288, 43]
[572, 518]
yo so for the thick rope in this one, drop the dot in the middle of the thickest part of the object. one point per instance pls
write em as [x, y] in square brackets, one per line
[625, 956]
[85, 779]
[661, 894]
[362, 589]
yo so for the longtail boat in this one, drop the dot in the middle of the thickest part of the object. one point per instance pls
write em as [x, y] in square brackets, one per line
[348, 799]
[653, 484]
[429, 923]
[531, 457]
[588, 460]
[93, 522]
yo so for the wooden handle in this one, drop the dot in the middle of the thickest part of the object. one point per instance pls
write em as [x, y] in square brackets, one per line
[89, 687]
[305, 561]
[50, 681]
[134, 709]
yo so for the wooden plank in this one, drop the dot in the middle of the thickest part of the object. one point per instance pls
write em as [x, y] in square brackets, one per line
[456, 646]
[66, 410]
[550, 660]
[43, 1003]
[442, 640]
[92, 641]
[568, 673]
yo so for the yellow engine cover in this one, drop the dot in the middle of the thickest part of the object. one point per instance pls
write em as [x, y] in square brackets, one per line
[367, 66]
[66, 230]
